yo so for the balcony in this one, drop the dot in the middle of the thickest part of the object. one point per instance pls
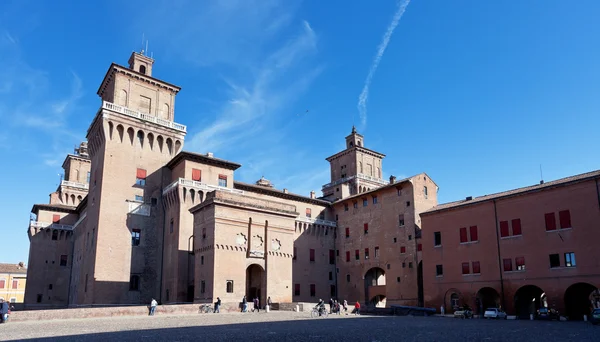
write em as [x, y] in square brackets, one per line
[143, 116]
[75, 185]
[316, 221]
[47, 225]
[137, 208]
[376, 290]
[200, 186]
[359, 176]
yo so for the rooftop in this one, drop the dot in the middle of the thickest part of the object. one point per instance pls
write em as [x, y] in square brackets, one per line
[53, 207]
[203, 159]
[278, 193]
[515, 192]
[13, 268]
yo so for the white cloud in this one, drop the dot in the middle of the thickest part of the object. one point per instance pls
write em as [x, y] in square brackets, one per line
[364, 95]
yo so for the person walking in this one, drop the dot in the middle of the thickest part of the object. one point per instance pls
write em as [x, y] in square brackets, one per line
[153, 305]
[269, 304]
[3, 311]
[330, 305]
[357, 308]
[256, 305]
[244, 304]
[218, 305]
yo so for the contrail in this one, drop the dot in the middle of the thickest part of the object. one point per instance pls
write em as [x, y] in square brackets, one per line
[364, 95]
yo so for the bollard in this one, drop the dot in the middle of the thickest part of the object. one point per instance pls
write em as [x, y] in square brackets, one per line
[531, 317]
[585, 318]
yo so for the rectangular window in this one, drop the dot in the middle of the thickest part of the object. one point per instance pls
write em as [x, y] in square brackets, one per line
[15, 284]
[365, 202]
[89, 176]
[437, 238]
[507, 265]
[473, 233]
[570, 260]
[139, 198]
[401, 220]
[463, 235]
[308, 212]
[313, 290]
[357, 254]
[295, 255]
[229, 286]
[346, 207]
[196, 175]
[171, 226]
[425, 191]
[55, 235]
[550, 221]
[202, 286]
[564, 217]
[554, 260]
[2, 283]
[355, 204]
[332, 291]
[374, 199]
[347, 256]
[202, 260]
[408, 203]
[419, 247]
[366, 253]
[56, 219]
[63, 260]
[39, 298]
[520, 263]
[504, 229]
[516, 226]
[204, 233]
[223, 181]
[312, 255]
[465, 268]
[347, 278]
[366, 228]
[296, 289]
[330, 275]
[476, 267]
[376, 252]
[402, 250]
[347, 232]
[331, 257]
[135, 237]
[140, 177]
[439, 270]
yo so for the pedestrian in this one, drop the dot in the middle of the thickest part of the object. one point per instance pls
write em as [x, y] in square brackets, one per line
[217, 305]
[153, 305]
[269, 303]
[3, 311]
[256, 305]
[330, 305]
[345, 306]
[244, 304]
[357, 308]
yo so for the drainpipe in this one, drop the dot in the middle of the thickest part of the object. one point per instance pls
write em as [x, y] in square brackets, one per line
[597, 192]
[499, 257]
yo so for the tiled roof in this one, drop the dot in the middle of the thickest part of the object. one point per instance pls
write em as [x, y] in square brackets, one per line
[53, 207]
[278, 193]
[202, 158]
[12, 268]
[515, 192]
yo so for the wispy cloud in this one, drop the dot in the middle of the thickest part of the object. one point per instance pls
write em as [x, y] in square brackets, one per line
[364, 95]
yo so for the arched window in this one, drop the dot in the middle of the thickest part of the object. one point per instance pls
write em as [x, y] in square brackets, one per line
[123, 98]
[230, 286]
[360, 167]
[140, 136]
[143, 69]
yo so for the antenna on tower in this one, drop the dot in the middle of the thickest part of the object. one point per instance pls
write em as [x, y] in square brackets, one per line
[146, 45]
[143, 36]
[541, 175]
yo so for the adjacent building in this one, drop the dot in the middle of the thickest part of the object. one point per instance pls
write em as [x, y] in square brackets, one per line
[520, 250]
[13, 280]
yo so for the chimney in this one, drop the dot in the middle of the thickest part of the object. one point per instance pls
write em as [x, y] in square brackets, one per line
[392, 179]
[209, 154]
[312, 194]
[469, 198]
[285, 191]
[542, 181]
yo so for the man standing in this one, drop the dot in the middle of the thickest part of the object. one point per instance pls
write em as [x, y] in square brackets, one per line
[217, 305]
[153, 305]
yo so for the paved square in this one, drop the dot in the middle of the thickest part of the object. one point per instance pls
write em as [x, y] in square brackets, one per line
[292, 326]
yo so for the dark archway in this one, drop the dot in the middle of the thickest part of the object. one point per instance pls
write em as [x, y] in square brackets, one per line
[488, 298]
[375, 287]
[579, 300]
[452, 300]
[255, 285]
[528, 299]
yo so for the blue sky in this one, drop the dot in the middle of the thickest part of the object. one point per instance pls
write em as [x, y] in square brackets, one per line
[477, 94]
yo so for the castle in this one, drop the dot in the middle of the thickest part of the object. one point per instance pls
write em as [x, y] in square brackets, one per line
[137, 217]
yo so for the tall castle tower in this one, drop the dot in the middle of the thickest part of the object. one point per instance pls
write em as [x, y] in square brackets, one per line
[354, 170]
[133, 135]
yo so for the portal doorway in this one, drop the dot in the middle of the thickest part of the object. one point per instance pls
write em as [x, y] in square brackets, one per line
[255, 283]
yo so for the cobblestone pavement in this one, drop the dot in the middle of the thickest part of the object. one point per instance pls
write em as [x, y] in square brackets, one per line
[291, 326]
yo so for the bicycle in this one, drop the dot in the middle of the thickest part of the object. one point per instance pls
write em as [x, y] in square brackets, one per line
[205, 308]
[316, 312]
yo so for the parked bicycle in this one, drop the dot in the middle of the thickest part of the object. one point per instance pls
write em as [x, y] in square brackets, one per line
[205, 308]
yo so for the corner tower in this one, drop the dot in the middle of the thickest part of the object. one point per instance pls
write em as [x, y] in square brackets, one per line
[131, 138]
[354, 170]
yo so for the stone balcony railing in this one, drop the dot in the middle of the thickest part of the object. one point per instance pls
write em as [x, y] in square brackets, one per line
[143, 116]
[200, 186]
[359, 176]
[75, 185]
[138, 208]
[47, 225]
[316, 221]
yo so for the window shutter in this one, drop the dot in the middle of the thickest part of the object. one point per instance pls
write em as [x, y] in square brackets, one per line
[507, 265]
[516, 226]
[312, 255]
[504, 228]
[347, 256]
[476, 267]
[55, 218]
[550, 221]
[141, 174]
[196, 175]
[366, 228]
[223, 177]
[402, 249]
[463, 235]
[473, 232]
[565, 219]
[347, 232]
[519, 261]
[419, 247]
[465, 268]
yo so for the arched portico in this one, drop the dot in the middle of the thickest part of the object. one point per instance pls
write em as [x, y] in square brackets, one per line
[375, 290]
[256, 283]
